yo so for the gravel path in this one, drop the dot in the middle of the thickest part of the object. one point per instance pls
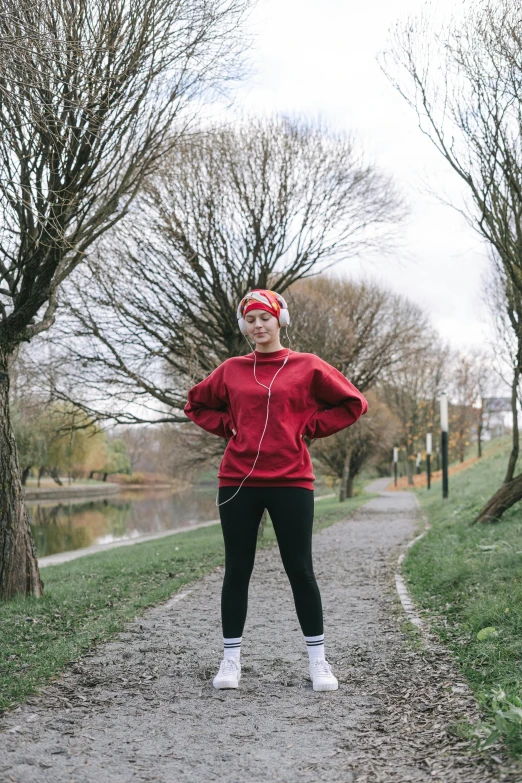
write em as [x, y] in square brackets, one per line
[143, 708]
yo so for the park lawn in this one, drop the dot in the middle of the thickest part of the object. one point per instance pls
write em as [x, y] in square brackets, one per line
[468, 578]
[90, 599]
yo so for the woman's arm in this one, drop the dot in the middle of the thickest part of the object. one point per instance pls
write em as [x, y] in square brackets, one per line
[340, 404]
[207, 405]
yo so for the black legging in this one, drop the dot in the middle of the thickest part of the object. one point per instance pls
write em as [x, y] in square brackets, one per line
[291, 510]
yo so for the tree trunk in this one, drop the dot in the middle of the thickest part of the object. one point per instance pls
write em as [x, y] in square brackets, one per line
[504, 498]
[55, 476]
[409, 468]
[25, 474]
[19, 574]
[349, 486]
[479, 432]
[345, 479]
[513, 457]
[511, 490]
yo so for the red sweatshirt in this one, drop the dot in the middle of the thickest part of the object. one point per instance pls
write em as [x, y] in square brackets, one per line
[309, 397]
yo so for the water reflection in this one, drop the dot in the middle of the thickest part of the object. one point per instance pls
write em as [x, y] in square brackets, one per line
[67, 525]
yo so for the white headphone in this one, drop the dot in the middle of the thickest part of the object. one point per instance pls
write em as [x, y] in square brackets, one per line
[284, 315]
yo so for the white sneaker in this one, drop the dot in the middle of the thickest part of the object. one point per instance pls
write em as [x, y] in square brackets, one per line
[322, 677]
[229, 674]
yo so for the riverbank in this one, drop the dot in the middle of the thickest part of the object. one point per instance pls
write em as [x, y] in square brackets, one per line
[66, 557]
[468, 581]
[84, 489]
[88, 600]
[69, 492]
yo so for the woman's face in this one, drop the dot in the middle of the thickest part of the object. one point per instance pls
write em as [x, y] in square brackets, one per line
[262, 327]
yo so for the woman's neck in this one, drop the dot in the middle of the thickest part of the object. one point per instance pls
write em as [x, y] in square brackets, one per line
[275, 345]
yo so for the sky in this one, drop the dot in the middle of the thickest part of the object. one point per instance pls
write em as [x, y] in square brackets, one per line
[318, 58]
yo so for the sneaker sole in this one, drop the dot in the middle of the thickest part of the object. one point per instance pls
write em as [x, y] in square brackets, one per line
[326, 686]
[227, 684]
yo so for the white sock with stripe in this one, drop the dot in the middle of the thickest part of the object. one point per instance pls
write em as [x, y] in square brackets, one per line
[315, 646]
[232, 647]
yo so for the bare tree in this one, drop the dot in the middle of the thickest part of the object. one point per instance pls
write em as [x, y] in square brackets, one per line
[192, 450]
[463, 391]
[260, 205]
[464, 82]
[371, 439]
[138, 442]
[89, 93]
[470, 380]
[411, 392]
[486, 380]
[357, 326]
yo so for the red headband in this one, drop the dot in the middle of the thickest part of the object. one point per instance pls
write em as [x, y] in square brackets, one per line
[272, 306]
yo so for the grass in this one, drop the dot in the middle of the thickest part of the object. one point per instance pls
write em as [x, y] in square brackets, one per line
[469, 578]
[90, 599]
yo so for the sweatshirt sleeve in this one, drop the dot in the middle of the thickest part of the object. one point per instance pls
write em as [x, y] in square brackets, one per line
[340, 404]
[207, 405]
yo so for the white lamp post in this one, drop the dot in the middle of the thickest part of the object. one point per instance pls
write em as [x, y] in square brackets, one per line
[428, 458]
[444, 441]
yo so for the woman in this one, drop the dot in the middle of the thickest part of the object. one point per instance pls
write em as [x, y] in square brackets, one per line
[265, 403]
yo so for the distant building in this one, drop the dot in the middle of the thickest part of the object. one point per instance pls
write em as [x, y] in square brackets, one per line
[495, 420]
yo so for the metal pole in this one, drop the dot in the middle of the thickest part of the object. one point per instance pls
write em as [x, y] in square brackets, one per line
[428, 458]
[418, 462]
[444, 441]
[480, 426]
[395, 461]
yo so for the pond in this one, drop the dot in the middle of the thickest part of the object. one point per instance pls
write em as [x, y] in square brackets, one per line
[61, 526]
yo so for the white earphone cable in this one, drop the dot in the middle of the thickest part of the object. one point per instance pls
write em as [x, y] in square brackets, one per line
[266, 421]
